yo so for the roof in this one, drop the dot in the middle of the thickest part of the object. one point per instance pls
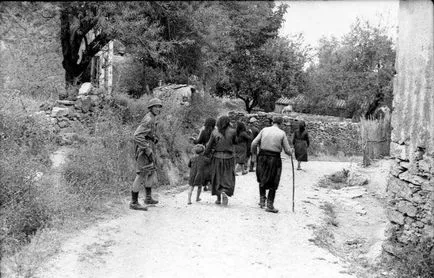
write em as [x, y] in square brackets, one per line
[169, 89]
[283, 100]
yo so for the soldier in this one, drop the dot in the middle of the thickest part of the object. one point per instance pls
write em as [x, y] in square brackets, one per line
[271, 141]
[144, 146]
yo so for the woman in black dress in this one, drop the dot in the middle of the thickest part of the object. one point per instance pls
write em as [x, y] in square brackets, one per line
[301, 143]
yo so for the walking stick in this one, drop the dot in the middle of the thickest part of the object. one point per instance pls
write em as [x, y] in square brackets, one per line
[293, 184]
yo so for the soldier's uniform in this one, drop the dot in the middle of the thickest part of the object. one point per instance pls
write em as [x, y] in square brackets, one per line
[145, 139]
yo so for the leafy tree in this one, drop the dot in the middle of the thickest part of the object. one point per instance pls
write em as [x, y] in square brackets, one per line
[249, 74]
[358, 69]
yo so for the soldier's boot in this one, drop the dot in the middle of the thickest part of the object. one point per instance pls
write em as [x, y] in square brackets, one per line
[270, 201]
[148, 199]
[262, 200]
[134, 204]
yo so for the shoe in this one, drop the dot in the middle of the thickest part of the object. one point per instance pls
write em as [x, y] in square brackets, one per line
[205, 188]
[218, 202]
[251, 170]
[244, 172]
[137, 206]
[150, 201]
[262, 200]
[225, 199]
[270, 207]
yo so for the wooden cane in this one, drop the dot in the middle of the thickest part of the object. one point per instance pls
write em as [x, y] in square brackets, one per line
[293, 184]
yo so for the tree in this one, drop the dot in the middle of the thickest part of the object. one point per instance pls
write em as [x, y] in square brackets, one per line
[249, 74]
[358, 69]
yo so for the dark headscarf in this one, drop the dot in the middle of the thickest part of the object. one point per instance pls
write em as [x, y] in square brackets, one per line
[222, 124]
[301, 126]
[209, 124]
[240, 128]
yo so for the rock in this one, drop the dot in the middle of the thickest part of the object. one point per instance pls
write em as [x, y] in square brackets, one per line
[63, 124]
[95, 100]
[65, 102]
[86, 103]
[399, 151]
[400, 187]
[407, 208]
[253, 120]
[353, 192]
[356, 179]
[395, 216]
[85, 89]
[425, 165]
[59, 112]
[53, 120]
[428, 185]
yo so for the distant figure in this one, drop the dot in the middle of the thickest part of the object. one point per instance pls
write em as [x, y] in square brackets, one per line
[223, 161]
[196, 174]
[271, 141]
[243, 138]
[301, 143]
[203, 138]
[253, 131]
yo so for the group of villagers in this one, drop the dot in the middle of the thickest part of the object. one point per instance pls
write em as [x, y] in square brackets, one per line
[219, 150]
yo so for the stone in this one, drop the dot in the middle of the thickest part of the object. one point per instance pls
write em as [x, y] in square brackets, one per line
[95, 100]
[63, 124]
[78, 104]
[395, 216]
[405, 164]
[392, 248]
[86, 103]
[59, 112]
[356, 179]
[419, 224]
[428, 185]
[399, 151]
[407, 208]
[65, 102]
[399, 187]
[85, 89]
[53, 120]
[425, 165]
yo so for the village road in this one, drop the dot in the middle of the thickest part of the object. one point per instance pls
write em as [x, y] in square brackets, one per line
[174, 239]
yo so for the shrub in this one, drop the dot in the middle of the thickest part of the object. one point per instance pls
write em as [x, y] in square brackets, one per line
[25, 144]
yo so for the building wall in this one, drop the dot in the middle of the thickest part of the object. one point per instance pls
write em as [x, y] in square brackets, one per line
[410, 187]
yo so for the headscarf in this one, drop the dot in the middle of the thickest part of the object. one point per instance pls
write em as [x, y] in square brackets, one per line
[222, 124]
[302, 126]
[209, 124]
[240, 128]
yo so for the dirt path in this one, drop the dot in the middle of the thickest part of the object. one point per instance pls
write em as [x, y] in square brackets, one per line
[206, 240]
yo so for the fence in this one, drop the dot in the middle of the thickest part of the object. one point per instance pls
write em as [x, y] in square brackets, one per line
[375, 137]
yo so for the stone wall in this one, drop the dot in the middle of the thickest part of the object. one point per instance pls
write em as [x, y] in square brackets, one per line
[328, 135]
[79, 108]
[410, 187]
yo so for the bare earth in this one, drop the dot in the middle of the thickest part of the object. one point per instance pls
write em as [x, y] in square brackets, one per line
[174, 239]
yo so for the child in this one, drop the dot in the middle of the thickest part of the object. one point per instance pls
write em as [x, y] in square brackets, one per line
[196, 164]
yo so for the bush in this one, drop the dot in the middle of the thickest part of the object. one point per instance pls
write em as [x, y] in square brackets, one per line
[25, 144]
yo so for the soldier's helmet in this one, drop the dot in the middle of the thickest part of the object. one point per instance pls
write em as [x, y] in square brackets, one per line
[155, 102]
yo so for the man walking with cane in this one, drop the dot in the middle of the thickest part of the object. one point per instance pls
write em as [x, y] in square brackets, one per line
[271, 140]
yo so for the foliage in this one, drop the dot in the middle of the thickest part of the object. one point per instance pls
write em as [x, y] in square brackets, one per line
[30, 50]
[25, 143]
[358, 69]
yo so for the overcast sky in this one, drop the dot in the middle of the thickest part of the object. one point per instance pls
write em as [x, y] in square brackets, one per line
[317, 18]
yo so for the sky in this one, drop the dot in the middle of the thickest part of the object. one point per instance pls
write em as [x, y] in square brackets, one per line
[325, 18]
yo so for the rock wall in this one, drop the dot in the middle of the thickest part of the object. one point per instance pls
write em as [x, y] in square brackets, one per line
[411, 183]
[328, 135]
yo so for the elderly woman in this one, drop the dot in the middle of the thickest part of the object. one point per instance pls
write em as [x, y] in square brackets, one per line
[203, 138]
[222, 141]
[243, 139]
[301, 143]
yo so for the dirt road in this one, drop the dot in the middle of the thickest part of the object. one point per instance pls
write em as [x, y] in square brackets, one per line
[174, 239]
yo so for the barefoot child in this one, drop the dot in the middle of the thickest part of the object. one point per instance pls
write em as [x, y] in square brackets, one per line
[196, 164]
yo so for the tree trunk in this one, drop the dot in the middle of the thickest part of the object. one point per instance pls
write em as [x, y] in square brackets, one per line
[72, 34]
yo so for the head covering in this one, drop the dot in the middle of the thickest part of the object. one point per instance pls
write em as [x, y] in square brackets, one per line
[155, 102]
[240, 127]
[222, 124]
[302, 126]
[199, 148]
[277, 120]
[210, 123]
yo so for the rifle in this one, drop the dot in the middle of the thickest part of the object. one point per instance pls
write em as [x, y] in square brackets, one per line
[293, 184]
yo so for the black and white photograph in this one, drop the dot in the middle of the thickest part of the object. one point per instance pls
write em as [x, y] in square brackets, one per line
[217, 139]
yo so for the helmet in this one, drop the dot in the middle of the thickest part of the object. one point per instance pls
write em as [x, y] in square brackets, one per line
[155, 102]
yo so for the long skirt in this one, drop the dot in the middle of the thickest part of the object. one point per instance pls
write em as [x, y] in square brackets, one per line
[241, 153]
[268, 169]
[222, 176]
[300, 148]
